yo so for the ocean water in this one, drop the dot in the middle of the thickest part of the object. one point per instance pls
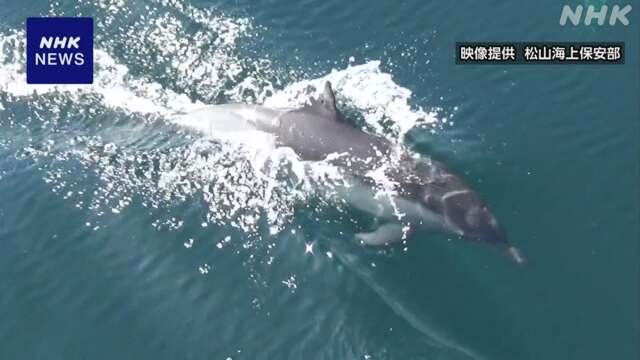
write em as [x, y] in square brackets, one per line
[125, 234]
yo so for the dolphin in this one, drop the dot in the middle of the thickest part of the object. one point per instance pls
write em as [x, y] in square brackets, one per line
[424, 194]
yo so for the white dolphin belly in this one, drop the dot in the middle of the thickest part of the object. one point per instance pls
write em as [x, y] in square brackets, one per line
[389, 207]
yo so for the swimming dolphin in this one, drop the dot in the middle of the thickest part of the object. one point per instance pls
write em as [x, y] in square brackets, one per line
[425, 194]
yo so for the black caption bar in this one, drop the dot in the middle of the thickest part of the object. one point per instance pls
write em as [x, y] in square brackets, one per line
[540, 53]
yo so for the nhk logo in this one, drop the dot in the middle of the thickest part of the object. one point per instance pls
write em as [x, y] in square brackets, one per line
[59, 50]
[575, 15]
[58, 58]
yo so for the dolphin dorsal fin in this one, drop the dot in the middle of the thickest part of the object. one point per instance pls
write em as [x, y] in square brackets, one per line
[328, 98]
[326, 103]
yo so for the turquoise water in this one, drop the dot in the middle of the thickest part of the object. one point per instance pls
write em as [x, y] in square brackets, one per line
[125, 235]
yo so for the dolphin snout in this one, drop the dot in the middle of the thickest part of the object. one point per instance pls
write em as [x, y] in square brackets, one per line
[496, 235]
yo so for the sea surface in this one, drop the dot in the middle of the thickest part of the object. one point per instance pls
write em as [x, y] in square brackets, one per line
[124, 235]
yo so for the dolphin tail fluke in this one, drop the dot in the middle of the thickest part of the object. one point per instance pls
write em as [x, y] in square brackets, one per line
[515, 255]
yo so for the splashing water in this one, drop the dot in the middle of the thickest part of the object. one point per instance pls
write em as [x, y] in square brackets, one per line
[238, 184]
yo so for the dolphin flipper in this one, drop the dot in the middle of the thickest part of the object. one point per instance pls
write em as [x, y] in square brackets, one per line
[385, 234]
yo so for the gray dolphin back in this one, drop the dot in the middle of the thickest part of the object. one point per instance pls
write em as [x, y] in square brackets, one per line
[318, 130]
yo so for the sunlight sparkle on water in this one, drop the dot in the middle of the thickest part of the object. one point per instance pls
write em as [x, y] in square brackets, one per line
[308, 248]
